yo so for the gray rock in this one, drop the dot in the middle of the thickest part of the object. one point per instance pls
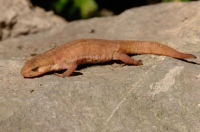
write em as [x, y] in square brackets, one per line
[162, 95]
[19, 17]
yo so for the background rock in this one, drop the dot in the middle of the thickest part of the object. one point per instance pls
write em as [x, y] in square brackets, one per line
[162, 95]
[19, 17]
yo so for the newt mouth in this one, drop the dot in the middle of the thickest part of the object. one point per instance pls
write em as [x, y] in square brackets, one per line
[27, 72]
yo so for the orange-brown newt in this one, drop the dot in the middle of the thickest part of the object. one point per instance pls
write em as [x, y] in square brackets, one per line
[70, 55]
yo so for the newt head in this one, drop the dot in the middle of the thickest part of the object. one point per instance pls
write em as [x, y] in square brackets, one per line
[36, 66]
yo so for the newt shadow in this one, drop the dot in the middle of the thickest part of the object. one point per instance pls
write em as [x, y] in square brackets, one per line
[80, 67]
[191, 62]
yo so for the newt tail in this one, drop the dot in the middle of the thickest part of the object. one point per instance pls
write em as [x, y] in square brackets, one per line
[86, 51]
[145, 47]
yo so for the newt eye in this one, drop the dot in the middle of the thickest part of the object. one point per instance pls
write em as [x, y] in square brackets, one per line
[34, 69]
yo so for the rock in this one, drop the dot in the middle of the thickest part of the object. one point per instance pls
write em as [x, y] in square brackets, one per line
[162, 95]
[19, 17]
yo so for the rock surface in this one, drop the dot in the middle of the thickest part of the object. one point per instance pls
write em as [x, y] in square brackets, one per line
[162, 95]
[19, 17]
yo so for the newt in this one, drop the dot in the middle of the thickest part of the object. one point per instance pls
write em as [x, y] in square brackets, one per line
[89, 51]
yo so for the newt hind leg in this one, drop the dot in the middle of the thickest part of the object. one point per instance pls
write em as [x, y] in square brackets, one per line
[127, 59]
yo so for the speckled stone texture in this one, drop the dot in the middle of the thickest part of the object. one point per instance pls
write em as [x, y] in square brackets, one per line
[163, 95]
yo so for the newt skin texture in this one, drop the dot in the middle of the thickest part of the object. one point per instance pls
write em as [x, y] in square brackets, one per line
[87, 51]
